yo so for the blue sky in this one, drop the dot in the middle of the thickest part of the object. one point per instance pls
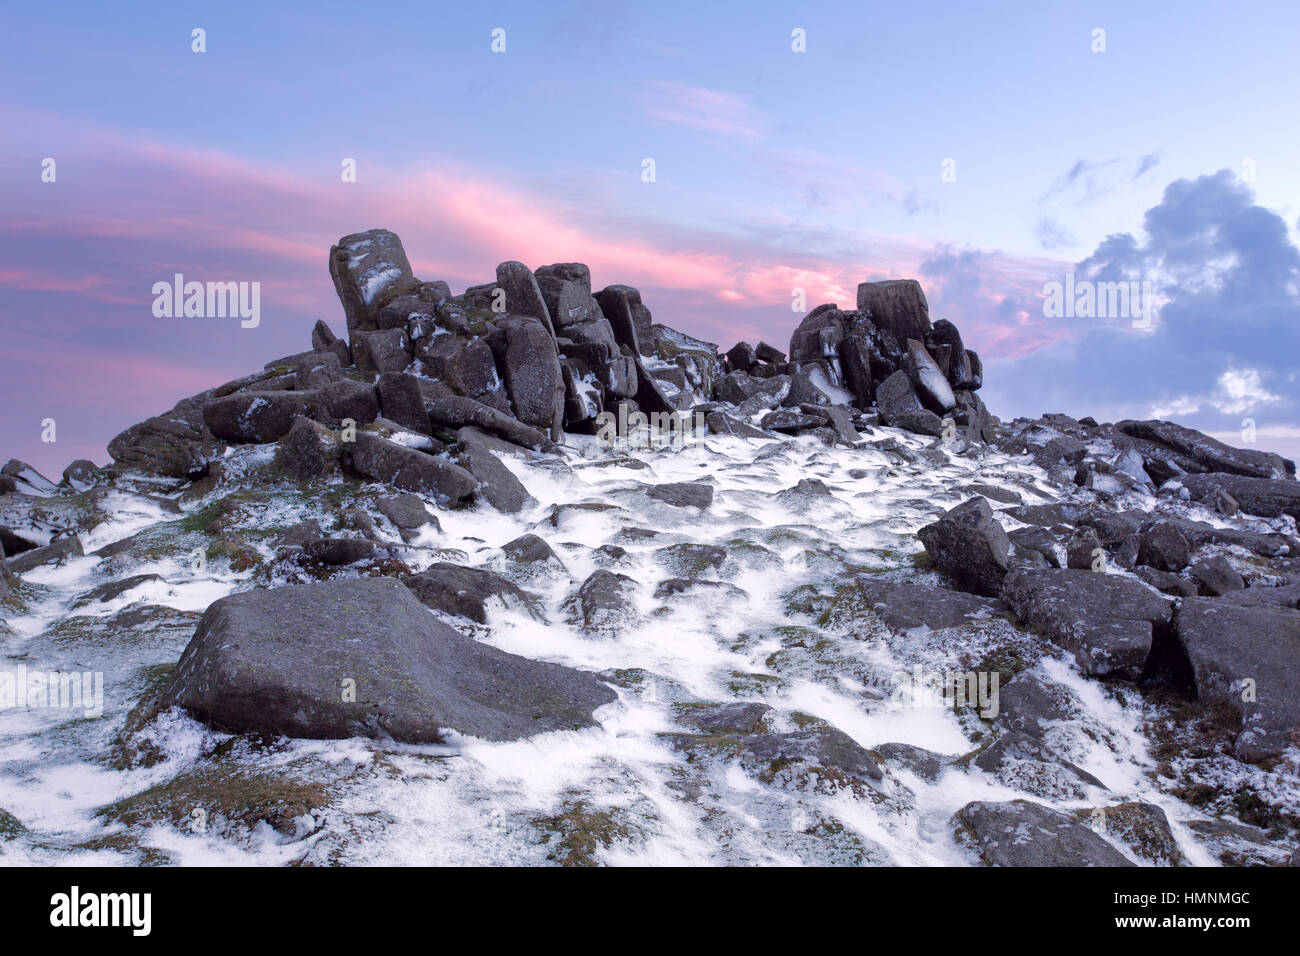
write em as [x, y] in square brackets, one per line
[774, 170]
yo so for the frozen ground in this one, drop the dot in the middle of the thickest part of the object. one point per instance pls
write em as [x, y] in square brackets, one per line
[619, 793]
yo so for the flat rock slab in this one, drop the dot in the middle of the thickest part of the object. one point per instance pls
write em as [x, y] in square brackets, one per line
[1109, 622]
[1022, 833]
[1249, 659]
[277, 661]
[1265, 497]
[903, 606]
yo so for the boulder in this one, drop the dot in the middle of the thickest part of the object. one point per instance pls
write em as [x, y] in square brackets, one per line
[176, 444]
[366, 267]
[344, 401]
[59, 549]
[80, 475]
[402, 402]
[523, 297]
[897, 306]
[411, 470]
[1163, 547]
[929, 381]
[363, 657]
[496, 483]
[307, 451]
[684, 494]
[407, 513]
[900, 407]
[388, 350]
[1028, 705]
[1021, 833]
[255, 417]
[1215, 576]
[455, 411]
[1193, 451]
[1264, 497]
[1247, 658]
[466, 592]
[530, 366]
[603, 602]
[741, 357]
[630, 319]
[1109, 622]
[970, 546]
[904, 606]
[323, 339]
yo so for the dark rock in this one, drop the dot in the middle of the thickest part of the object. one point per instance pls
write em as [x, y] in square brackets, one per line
[604, 601]
[1021, 833]
[255, 417]
[741, 356]
[497, 483]
[323, 339]
[1247, 658]
[630, 319]
[787, 420]
[1026, 704]
[1080, 550]
[970, 546]
[1107, 621]
[80, 475]
[1015, 747]
[279, 661]
[530, 366]
[410, 470]
[176, 444]
[1163, 547]
[898, 306]
[901, 408]
[295, 536]
[522, 294]
[1265, 497]
[58, 550]
[307, 451]
[530, 549]
[454, 411]
[928, 380]
[739, 718]
[401, 401]
[1216, 576]
[407, 513]
[1166, 583]
[339, 402]
[720, 423]
[465, 592]
[684, 494]
[903, 606]
[366, 267]
[337, 552]
[384, 351]
[1195, 452]
[1037, 540]
[926, 764]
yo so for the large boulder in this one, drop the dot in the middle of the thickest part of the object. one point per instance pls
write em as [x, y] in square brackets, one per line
[1021, 833]
[970, 546]
[386, 350]
[1109, 622]
[176, 444]
[904, 606]
[409, 469]
[522, 294]
[364, 658]
[1265, 497]
[530, 366]
[255, 417]
[897, 306]
[628, 316]
[1247, 658]
[930, 382]
[1193, 451]
[402, 402]
[366, 267]
[468, 592]
[496, 483]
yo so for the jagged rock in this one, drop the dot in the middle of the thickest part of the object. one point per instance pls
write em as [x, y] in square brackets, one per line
[929, 381]
[818, 335]
[1193, 451]
[1247, 658]
[323, 339]
[283, 661]
[523, 297]
[1215, 576]
[401, 401]
[366, 267]
[1107, 621]
[465, 592]
[901, 408]
[176, 444]
[741, 357]
[970, 546]
[974, 418]
[411, 470]
[945, 334]
[684, 494]
[497, 483]
[628, 316]
[604, 601]
[812, 385]
[1143, 827]
[1265, 497]
[388, 350]
[1021, 833]
[530, 366]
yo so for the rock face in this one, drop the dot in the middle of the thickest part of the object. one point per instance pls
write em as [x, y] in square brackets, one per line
[364, 658]
[970, 545]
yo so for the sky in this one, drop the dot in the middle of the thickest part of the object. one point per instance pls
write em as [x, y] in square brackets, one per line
[986, 150]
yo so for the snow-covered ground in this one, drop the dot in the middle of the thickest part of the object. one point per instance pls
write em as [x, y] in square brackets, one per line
[617, 793]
